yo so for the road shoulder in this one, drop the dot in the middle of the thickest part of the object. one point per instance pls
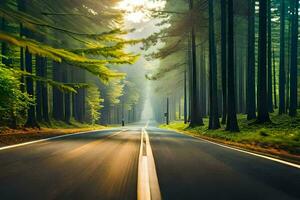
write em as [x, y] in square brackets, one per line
[14, 137]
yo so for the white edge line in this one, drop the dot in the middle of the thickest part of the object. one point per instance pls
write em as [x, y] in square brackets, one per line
[244, 151]
[50, 138]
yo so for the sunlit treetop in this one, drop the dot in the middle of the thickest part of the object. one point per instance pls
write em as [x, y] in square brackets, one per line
[137, 11]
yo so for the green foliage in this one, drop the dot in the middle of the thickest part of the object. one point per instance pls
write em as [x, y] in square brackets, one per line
[94, 102]
[13, 102]
[83, 35]
[63, 87]
[283, 133]
[94, 66]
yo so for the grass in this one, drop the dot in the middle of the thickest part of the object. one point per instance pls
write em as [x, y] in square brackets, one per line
[73, 124]
[283, 134]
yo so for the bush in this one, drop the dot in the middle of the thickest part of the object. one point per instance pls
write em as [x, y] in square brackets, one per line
[13, 102]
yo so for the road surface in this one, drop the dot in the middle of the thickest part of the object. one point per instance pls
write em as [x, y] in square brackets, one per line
[107, 165]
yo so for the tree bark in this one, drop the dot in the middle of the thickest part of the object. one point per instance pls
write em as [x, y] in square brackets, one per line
[262, 100]
[251, 97]
[185, 107]
[214, 115]
[38, 89]
[270, 95]
[196, 118]
[224, 58]
[274, 80]
[282, 108]
[232, 124]
[294, 59]
[67, 96]
[45, 104]
[31, 115]
[58, 97]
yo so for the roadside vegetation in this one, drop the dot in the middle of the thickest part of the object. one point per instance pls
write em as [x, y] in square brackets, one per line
[281, 137]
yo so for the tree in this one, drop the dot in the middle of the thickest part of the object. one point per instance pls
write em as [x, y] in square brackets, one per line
[94, 102]
[67, 95]
[231, 124]
[294, 58]
[274, 80]
[262, 100]
[251, 102]
[224, 57]
[196, 118]
[31, 115]
[185, 98]
[269, 54]
[38, 89]
[58, 97]
[45, 103]
[282, 108]
[214, 115]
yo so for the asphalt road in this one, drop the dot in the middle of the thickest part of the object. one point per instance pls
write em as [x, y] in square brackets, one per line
[104, 165]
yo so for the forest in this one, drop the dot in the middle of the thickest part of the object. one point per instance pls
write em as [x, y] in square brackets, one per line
[229, 72]
[211, 65]
[228, 58]
[61, 62]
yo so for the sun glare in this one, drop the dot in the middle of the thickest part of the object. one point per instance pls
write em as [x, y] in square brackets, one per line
[137, 10]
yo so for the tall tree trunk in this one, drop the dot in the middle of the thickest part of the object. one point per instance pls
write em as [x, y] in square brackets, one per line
[38, 89]
[214, 115]
[45, 103]
[232, 124]
[224, 58]
[133, 113]
[58, 97]
[288, 65]
[67, 95]
[167, 112]
[282, 108]
[31, 117]
[274, 80]
[262, 100]
[204, 83]
[190, 78]
[79, 98]
[196, 118]
[185, 107]
[294, 58]
[270, 95]
[251, 98]
[21, 7]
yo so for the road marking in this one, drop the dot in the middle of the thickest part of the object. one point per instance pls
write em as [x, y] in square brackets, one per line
[154, 184]
[148, 186]
[48, 139]
[244, 151]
